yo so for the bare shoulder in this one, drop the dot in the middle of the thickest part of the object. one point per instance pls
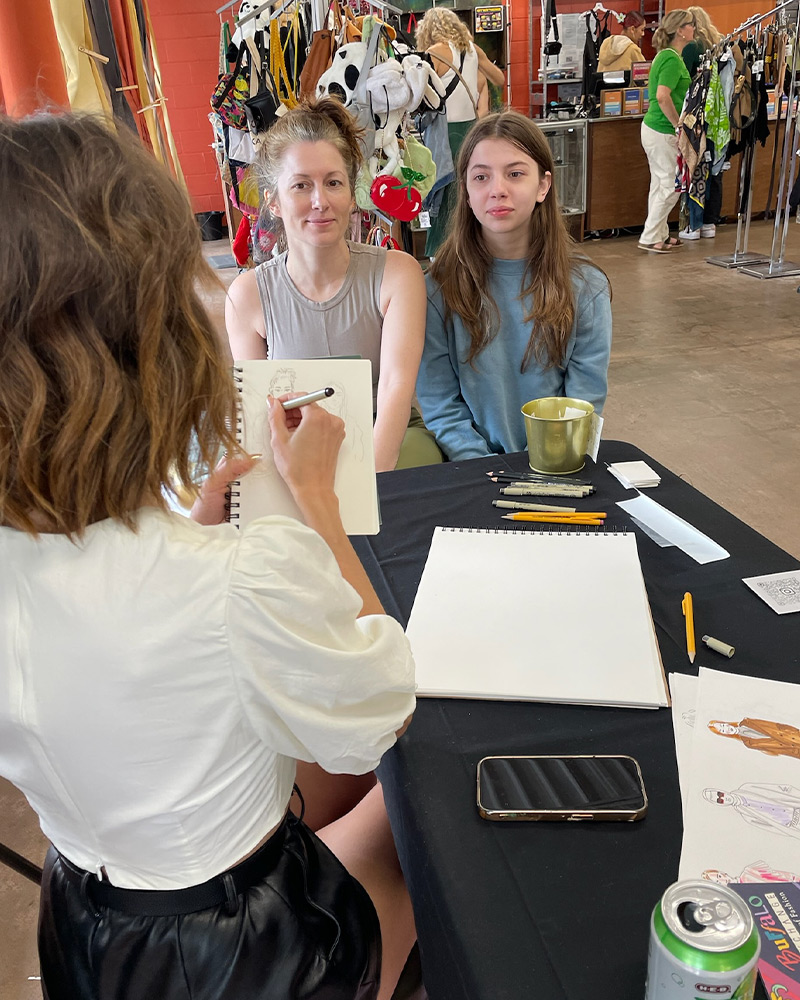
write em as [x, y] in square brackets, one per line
[244, 317]
[243, 291]
[402, 274]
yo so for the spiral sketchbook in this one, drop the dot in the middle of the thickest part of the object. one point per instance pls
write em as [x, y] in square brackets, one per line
[557, 616]
[262, 491]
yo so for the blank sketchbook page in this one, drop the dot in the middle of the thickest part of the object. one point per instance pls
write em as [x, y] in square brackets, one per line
[262, 491]
[540, 616]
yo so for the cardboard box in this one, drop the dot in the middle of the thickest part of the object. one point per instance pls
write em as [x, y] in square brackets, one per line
[610, 103]
[632, 101]
[645, 99]
[640, 74]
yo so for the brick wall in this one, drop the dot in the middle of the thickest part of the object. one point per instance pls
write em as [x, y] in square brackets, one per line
[187, 41]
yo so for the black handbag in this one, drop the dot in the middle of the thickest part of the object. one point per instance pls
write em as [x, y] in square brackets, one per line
[551, 48]
[261, 110]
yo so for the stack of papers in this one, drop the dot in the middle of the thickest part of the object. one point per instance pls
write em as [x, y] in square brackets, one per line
[738, 750]
[632, 475]
[519, 616]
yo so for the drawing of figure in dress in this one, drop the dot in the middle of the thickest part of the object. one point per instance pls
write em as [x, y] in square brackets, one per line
[778, 739]
[774, 808]
[756, 871]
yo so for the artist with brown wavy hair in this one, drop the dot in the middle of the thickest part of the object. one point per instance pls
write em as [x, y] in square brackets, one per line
[513, 313]
[163, 679]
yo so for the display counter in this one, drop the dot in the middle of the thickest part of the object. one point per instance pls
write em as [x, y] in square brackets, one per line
[618, 176]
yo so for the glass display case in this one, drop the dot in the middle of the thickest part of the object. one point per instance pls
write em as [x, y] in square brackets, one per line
[568, 145]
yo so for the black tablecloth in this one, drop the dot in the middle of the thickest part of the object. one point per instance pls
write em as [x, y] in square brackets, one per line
[554, 910]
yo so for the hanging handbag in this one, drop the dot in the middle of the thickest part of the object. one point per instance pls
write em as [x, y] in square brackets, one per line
[231, 92]
[551, 48]
[261, 109]
[319, 58]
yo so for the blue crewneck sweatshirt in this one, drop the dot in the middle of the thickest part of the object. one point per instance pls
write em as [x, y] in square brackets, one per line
[475, 411]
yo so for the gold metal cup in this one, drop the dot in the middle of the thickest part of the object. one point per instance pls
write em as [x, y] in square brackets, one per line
[557, 429]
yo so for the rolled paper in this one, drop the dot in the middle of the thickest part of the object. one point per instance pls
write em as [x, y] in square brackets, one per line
[719, 646]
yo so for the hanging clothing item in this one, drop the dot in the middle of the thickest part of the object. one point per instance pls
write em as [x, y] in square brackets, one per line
[85, 84]
[692, 122]
[718, 126]
[597, 31]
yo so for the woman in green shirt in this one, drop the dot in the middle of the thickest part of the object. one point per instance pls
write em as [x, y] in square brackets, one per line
[669, 81]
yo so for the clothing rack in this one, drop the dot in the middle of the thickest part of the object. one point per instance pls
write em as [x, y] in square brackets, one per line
[777, 266]
[755, 264]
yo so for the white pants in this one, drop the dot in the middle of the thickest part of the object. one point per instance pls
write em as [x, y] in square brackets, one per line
[662, 155]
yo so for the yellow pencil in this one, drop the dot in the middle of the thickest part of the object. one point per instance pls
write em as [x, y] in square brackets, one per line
[548, 519]
[532, 515]
[688, 613]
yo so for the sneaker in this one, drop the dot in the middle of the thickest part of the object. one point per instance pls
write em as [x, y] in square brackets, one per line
[689, 234]
[708, 231]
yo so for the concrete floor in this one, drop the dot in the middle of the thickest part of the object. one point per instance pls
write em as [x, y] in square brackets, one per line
[705, 377]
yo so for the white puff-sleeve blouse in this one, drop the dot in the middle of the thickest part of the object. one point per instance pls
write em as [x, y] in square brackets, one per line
[158, 686]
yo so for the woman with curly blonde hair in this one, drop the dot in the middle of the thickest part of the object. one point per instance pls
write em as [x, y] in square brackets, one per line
[706, 37]
[464, 69]
[164, 680]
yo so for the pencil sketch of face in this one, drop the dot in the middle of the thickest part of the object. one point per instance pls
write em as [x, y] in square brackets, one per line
[337, 403]
[282, 382]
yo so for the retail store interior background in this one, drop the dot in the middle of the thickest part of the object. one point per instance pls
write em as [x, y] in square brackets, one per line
[705, 365]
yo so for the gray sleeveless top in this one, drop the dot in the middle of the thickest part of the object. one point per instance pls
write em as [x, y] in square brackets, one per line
[349, 323]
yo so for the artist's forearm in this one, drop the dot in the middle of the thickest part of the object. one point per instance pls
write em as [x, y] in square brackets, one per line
[321, 512]
[391, 422]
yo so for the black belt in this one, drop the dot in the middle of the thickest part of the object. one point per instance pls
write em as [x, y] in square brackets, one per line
[225, 887]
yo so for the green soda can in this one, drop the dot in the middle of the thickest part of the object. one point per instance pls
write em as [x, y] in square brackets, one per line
[703, 943]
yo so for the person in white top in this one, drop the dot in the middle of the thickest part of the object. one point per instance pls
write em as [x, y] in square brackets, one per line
[464, 69]
[164, 680]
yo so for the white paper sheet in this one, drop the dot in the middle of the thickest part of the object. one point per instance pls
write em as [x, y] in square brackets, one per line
[677, 531]
[781, 591]
[535, 615]
[683, 688]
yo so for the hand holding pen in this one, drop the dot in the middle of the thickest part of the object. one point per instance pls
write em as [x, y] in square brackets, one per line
[305, 443]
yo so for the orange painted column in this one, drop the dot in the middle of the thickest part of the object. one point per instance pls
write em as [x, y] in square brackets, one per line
[31, 71]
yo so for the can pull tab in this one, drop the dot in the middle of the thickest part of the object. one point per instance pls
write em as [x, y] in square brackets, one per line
[715, 913]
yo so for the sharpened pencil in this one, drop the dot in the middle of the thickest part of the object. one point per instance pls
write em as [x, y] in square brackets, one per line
[549, 519]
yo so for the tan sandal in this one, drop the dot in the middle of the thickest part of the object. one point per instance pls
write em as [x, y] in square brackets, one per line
[655, 247]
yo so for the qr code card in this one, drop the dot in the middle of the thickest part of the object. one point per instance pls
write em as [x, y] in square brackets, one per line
[780, 590]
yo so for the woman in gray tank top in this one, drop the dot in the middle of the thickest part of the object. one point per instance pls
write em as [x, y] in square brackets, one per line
[325, 296]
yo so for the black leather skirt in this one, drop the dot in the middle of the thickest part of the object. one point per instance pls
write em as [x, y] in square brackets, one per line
[288, 923]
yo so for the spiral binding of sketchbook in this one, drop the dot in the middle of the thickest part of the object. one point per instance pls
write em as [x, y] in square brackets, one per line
[536, 615]
[233, 493]
[262, 492]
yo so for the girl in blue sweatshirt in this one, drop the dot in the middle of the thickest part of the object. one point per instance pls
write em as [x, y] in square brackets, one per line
[513, 313]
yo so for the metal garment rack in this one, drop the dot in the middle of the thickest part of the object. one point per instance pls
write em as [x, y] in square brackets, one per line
[777, 266]
[761, 265]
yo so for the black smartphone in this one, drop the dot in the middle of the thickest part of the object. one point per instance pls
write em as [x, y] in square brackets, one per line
[600, 787]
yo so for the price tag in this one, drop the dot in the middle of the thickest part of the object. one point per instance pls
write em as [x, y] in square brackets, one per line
[424, 220]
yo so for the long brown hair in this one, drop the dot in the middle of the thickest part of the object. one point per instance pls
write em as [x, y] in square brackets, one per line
[463, 262]
[111, 374]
